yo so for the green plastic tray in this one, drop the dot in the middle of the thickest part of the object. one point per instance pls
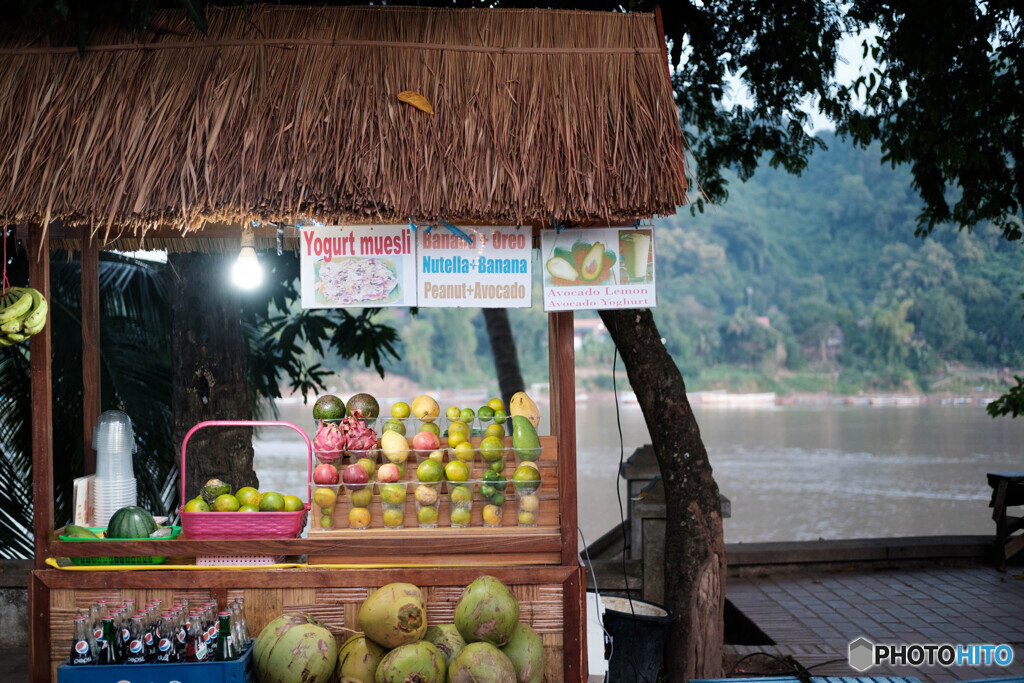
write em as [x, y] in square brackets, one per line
[87, 561]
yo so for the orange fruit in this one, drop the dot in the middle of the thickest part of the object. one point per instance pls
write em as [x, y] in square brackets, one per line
[293, 503]
[492, 448]
[461, 517]
[427, 516]
[226, 503]
[247, 495]
[359, 518]
[197, 505]
[248, 508]
[272, 502]
[393, 517]
[430, 470]
[496, 404]
[401, 410]
[456, 470]
[492, 515]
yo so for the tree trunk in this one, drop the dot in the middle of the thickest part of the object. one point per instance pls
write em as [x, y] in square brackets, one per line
[209, 371]
[694, 545]
[503, 348]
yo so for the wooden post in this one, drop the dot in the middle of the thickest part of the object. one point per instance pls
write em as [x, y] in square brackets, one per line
[42, 401]
[562, 380]
[90, 345]
[39, 629]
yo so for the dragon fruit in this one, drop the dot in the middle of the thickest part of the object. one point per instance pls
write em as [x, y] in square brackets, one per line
[358, 435]
[329, 442]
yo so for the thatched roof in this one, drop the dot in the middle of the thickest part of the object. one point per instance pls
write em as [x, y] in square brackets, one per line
[281, 112]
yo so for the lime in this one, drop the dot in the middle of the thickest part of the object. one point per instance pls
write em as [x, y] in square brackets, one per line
[248, 508]
[461, 517]
[490, 475]
[430, 470]
[465, 452]
[425, 495]
[359, 518]
[492, 515]
[500, 416]
[401, 410]
[460, 495]
[497, 466]
[327, 522]
[486, 491]
[293, 504]
[492, 448]
[361, 498]
[498, 498]
[197, 504]
[226, 503]
[393, 518]
[273, 502]
[328, 408]
[527, 518]
[453, 413]
[456, 470]
[496, 430]
[485, 413]
[394, 425]
[430, 427]
[496, 404]
[392, 494]
[427, 516]
[467, 415]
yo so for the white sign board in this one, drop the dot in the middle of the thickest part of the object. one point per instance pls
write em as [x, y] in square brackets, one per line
[357, 266]
[493, 269]
[598, 268]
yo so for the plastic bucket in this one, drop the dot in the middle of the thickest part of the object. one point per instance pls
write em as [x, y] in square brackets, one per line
[638, 638]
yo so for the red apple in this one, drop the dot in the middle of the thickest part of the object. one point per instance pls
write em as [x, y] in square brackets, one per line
[325, 475]
[355, 477]
[425, 441]
[388, 472]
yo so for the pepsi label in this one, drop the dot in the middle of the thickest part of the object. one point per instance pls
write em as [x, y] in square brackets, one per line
[163, 650]
[148, 638]
[125, 635]
[135, 647]
[97, 633]
[82, 653]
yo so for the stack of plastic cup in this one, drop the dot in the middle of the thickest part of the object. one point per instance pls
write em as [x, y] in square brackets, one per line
[114, 486]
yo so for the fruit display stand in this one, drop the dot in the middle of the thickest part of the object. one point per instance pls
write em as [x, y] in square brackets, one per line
[533, 124]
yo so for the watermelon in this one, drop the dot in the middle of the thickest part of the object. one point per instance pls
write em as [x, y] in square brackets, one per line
[131, 522]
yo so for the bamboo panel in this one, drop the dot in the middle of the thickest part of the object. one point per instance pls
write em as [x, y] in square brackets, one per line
[337, 609]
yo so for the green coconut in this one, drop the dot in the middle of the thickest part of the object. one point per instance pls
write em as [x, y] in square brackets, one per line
[418, 662]
[526, 652]
[294, 648]
[394, 615]
[487, 611]
[481, 662]
[445, 638]
[358, 660]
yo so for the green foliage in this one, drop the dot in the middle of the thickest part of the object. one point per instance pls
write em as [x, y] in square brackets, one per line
[1011, 403]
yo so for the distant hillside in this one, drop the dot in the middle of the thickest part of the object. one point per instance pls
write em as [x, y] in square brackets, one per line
[814, 282]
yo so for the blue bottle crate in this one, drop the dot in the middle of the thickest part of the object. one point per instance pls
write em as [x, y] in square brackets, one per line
[236, 671]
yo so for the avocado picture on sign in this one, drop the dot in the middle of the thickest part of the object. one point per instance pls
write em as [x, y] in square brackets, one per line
[575, 262]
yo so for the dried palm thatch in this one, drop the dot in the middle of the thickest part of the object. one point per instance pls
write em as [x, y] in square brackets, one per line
[282, 112]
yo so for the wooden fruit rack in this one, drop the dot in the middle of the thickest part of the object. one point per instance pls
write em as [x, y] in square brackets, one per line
[623, 162]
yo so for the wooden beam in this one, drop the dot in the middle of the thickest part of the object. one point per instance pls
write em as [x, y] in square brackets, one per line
[90, 348]
[562, 379]
[39, 628]
[42, 404]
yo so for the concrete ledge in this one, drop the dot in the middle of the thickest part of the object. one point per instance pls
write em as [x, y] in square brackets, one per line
[747, 558]
[14, 573]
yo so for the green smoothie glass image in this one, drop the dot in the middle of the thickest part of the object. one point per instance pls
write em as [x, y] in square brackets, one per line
[635, 253]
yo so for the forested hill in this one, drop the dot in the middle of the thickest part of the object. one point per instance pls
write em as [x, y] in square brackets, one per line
[852, 299]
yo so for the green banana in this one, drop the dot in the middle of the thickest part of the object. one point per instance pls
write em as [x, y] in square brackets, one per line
[11, 326]
[17, 336]
[4, 341]
[35, 320]
[22, 304]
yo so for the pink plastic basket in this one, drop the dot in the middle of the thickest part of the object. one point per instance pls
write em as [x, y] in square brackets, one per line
[244, 524]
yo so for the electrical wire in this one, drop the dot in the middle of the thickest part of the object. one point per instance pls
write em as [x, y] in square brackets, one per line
[802, 672]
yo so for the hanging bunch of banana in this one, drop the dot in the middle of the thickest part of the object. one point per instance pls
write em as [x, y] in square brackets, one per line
[22, 314]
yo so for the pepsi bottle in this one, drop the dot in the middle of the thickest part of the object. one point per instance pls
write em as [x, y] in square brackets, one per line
[81, 646]
[136, 651]
[165, 637]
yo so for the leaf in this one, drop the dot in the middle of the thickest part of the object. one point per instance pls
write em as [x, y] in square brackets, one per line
[415, 99]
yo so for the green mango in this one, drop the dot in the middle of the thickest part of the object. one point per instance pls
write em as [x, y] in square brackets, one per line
[525, 441]
[75, 531]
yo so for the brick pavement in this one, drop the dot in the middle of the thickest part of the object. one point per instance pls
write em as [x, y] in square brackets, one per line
[813, 616]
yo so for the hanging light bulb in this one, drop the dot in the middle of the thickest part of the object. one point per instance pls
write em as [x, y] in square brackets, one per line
[247, 273]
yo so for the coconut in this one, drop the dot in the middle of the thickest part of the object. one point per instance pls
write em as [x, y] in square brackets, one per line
[481, 662]
[419, 662]
[394, 615]
[358, 660]
[526, 652]
[487, 611]
[445, 638]
[294, 647]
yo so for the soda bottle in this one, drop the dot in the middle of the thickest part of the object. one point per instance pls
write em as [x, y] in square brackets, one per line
[81, 647]
[129, 608]
[238, 609]
[165, 636]
[196, 648]
[136, 653]
[181, 636]
[97, 613]
[149, 636]
[225, 641]
[108, 648]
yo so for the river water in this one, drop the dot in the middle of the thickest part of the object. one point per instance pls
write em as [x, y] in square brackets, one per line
[791, 473]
